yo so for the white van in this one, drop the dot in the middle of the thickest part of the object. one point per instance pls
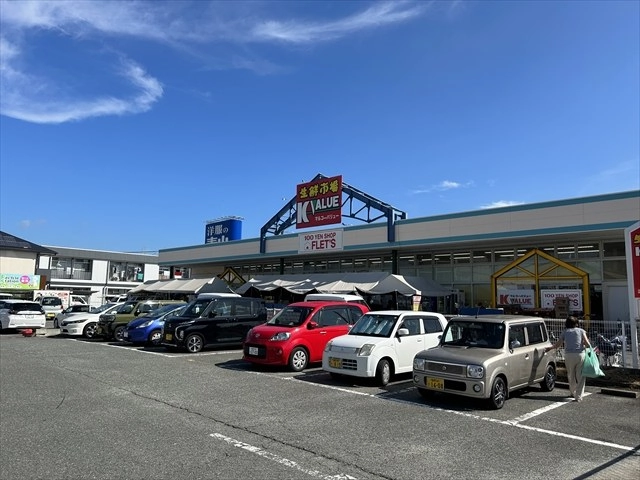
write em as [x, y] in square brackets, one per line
[335, 297]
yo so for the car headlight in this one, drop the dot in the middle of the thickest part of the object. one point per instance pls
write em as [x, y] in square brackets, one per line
[327, 347]
[280, 336]
[145, 324]
[418, 363]
[366, 350]
[475, 371]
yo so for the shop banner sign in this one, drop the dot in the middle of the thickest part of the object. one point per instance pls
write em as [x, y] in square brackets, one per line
[17, 281]
[324, 241]
[524, 298]
[635, 261]
[548, 298]
[319, 202]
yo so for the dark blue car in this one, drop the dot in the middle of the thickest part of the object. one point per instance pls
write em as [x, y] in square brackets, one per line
[147, 330]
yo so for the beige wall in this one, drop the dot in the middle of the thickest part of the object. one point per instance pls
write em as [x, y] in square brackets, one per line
[17, 262]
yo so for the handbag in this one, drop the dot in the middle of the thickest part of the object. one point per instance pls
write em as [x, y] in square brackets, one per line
[591, 365]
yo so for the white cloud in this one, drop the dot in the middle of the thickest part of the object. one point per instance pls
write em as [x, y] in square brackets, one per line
[377, 15]
[442, 186]
[18, 101]
[501, 203]
[189, 27]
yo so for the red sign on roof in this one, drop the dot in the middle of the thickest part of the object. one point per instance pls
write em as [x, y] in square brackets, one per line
[319, 202]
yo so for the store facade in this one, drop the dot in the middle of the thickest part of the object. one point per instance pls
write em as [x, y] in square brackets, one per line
[461, 252]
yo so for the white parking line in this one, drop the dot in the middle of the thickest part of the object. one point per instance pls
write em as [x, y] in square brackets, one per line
[281, 460]
[512, 423]
[542, 410]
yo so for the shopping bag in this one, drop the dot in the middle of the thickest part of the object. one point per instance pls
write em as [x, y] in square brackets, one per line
[591, 365]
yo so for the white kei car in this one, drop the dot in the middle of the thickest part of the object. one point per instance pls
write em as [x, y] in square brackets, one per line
[85, 324]
[16, 313]
[383, 343]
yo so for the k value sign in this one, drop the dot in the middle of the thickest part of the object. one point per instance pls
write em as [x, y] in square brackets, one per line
[319, 202]
[324, 241]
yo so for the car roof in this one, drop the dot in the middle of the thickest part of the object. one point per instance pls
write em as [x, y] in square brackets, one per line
[17, 300]
[322, 303]
[497, 318]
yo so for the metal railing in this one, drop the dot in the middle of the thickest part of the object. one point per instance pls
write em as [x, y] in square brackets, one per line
[612, 339]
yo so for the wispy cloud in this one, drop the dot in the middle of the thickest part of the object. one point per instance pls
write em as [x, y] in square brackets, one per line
[192, 28]
[501, 203]
[441, 187]
[378, 15]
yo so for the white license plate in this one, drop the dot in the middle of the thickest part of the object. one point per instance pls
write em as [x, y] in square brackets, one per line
[253, 351]
[29, 317]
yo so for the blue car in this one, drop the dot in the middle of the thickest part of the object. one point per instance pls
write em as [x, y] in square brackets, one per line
[147, 330]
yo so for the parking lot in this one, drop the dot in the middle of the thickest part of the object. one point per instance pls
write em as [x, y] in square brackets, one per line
[74, 408]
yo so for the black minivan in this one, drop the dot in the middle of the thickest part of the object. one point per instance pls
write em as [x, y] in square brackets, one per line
[213, 319]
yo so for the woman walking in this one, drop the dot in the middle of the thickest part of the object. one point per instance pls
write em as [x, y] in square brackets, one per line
[575, 340]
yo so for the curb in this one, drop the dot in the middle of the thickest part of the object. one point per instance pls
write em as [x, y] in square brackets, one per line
[616, 392]
[619, 393]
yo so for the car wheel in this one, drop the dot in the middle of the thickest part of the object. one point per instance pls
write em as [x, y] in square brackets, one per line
[383, 373]
[498, 393]
[549, 381]
[118, 333]
[426, 394]
[194, 343]
[298, 359]
[89, 330]
[155, 337]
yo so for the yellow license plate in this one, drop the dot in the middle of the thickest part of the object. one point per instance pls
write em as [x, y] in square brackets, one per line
[168, 337]
[435, 383]
[335, 362]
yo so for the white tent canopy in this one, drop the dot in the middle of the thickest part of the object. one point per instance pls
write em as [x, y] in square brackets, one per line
[187, 286]
[365, 282]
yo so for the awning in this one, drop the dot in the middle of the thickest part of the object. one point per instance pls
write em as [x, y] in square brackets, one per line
[374, 283]
[187, 286]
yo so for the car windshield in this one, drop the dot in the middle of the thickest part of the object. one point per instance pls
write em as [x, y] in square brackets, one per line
[291, 316]
[26, 307]
[469, 333]
[49, 301]
[160, 311]
[374, 325]
[102, 308]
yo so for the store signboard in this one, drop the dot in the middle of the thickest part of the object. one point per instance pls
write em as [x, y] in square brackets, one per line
[634, 238]
[18, 281]
[548, 298]
[321, 241]
[319, 202]
[525, 298]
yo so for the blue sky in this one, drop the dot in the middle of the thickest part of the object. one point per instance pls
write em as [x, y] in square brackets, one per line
[125, 126]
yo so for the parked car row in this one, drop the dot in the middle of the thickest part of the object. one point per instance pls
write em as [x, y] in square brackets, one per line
[480, 357]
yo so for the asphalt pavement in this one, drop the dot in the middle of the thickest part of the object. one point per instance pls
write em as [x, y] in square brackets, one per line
[78, 409]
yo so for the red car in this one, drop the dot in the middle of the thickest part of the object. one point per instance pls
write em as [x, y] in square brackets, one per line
[297, 334]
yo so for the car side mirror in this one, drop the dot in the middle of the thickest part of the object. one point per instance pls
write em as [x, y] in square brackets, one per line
[311, 325]
[212, 314]
[514, 344]
[403, 332]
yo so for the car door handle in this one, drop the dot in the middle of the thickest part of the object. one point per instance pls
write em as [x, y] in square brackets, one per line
[526, 356]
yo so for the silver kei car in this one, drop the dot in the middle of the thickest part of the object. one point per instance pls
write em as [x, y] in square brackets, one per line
[486, 357]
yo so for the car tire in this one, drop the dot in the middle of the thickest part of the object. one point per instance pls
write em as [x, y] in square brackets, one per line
[194, 343]
[383, 373]
[299, 359]
[118, 333]
[89, 330]
[549, 381]
[498, 393]
[426, 394]
[155, 337]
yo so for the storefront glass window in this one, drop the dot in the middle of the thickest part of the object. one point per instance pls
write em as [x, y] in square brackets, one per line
[614, 249]
[614, 269]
